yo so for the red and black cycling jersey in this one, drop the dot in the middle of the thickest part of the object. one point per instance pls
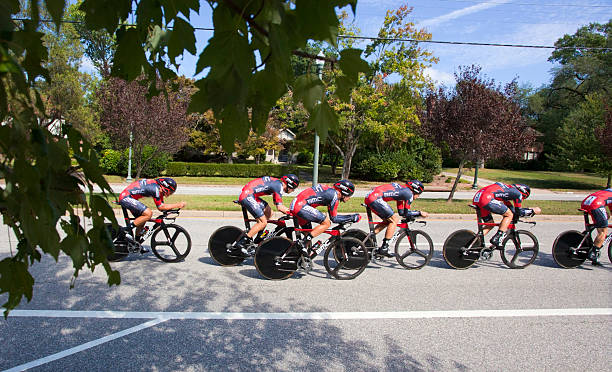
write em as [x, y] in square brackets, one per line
[597, 200]
[320, 195]
[264, 186]
[141, 188]
[499, 191]
[394, 191]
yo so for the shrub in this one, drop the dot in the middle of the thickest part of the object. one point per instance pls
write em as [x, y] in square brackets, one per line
[418, 160]
[112, 162]
[228, 170]
[156, 165]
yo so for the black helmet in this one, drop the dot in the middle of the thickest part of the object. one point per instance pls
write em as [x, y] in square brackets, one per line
[291, 180]
[345, 187]
[167, 184]
[416, 186]
[524, 189]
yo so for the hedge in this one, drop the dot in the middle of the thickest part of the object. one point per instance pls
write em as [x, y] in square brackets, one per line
[228, 170]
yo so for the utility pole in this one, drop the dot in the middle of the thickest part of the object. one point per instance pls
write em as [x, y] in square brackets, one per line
[315, 159]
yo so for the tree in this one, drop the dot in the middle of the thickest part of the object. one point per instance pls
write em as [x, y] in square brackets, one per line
[65, 92]
[374, 107]
[584, 67]
[47, 187]
[581, 141]
[133, 120]
[477, 120]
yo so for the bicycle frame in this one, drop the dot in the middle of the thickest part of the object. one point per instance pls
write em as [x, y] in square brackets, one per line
[589, 228]
[402, 226]
[280, 223]
[481, 225]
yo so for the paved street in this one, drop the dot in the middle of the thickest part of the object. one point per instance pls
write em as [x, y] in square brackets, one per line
[199, 316]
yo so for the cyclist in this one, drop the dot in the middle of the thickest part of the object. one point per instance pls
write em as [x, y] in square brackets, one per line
[595, 204]
[157, 189]
[250, 198]
[403, 195]
[304, 207]
[499, 198]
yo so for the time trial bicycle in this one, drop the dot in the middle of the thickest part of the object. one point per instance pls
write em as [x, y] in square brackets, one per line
[169, 241]
[413, 248]
[220, 242]
[571, 248]
[518, 250]
[279, 258]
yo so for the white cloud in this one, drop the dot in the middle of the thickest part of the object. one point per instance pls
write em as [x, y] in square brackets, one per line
[440, 77]
[460, 13]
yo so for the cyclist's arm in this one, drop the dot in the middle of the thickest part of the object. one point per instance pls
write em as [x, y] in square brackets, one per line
[168, 206]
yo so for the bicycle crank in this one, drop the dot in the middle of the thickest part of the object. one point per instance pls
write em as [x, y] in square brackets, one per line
[486, 254]
[305, 263]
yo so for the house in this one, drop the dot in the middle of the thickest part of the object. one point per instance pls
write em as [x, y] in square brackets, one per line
[284, 156]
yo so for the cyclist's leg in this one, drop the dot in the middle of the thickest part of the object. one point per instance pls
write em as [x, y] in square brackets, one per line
[262, 213]
[600, 220]
[138, 209]
[140, 221]
[310, 214]
[497, 207]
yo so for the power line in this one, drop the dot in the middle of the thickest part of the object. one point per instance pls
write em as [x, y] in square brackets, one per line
[469, 43]
[404, 40]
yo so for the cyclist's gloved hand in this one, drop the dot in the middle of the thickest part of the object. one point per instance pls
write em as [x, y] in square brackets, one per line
[527, 212]
[356, 217]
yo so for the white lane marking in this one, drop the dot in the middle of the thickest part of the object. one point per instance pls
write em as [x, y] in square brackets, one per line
[88, 345]
[312, 315]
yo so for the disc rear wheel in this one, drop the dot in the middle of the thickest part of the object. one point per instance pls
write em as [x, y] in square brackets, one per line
[566, 252]
[219, 242]
[462, 249]
[120, 245]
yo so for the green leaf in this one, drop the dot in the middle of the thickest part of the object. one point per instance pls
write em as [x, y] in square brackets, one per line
[172, 7]
[322, 119]
[317, 19]
[181, 38]
[344, 86]
[105, 13]
[16, 281]
[308, 89]
[56, 10]
[352, 64]
[130, 57]
[235, 126]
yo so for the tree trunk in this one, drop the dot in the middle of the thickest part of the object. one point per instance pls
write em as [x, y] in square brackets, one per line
[609, 176]
[459, 172]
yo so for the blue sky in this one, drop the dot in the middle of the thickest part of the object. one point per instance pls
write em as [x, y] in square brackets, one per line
[527, 22]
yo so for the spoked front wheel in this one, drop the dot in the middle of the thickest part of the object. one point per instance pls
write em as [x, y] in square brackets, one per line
[218, 244]
[414, 249]
[520, 249]
[276, 258]
[566, 252]
[462, 249]
[171, 243]
[346, 258]
[120, 245]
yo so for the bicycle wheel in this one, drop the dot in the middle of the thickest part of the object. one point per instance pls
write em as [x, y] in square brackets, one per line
[349, 257]
[460, 249]
[414, 250]
[269, 260]
[610, 252]
[171, 243]
[520, 249]
[363, 237]
[120, 246]
[565, 250]
[218, 243]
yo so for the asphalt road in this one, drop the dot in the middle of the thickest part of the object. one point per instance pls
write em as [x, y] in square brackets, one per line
[199, 316]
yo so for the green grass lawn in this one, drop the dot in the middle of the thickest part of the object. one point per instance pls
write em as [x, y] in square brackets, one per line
[224, 203]
[558, 181]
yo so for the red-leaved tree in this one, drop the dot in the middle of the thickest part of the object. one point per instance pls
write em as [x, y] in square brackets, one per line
[130, 118]
[478, 120]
